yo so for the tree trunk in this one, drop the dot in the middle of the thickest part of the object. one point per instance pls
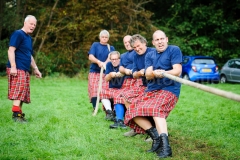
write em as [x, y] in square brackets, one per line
[2, 3]
[45, 35]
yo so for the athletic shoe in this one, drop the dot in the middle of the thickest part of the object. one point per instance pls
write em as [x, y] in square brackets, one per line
[110, 115]
[19, 117]
[130, 133]
[118, 124]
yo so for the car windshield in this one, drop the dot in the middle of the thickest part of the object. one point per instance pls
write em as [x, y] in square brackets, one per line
[203, 61]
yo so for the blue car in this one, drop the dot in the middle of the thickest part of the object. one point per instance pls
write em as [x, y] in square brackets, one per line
[200, 69]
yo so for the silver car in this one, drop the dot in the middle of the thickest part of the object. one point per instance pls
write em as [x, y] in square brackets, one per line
[230, 72]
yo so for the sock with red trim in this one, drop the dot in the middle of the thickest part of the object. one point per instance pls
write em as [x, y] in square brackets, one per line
[16, 109]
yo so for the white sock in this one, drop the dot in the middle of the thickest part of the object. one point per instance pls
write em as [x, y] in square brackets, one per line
[107, 104]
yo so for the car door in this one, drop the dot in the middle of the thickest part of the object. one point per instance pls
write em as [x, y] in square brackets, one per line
[228, 70]
[235, 72]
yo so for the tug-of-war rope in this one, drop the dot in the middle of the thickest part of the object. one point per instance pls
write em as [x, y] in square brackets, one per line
[212, 90]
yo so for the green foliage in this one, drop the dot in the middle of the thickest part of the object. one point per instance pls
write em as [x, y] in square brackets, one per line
[66, 29]
[204, 28]
[45, 64]
[3, 56]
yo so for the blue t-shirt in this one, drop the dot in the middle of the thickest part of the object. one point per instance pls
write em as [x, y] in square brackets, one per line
[100, 52]
[114, 82]
[24, 50]
[139, 63]
[127, 61]
[164, 60]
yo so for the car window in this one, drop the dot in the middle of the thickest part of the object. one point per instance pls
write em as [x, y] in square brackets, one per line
[203, 61]
[238, 64]
[235, 64]
[231, 64]
[185, 60]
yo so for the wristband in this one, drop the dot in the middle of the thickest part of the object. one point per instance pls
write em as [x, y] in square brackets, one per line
[36, 67]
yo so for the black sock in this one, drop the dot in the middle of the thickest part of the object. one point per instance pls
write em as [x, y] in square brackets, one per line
[94, 101]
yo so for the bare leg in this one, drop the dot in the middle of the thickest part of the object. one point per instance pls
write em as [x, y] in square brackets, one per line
[17, 103]
[161, 125]
[126, 103]
[143, 122]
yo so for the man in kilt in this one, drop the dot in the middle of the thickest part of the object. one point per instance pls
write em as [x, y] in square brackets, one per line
[98, 55]
[154, 105]
[20, 58]
[139, 44]
[126, 66]
[115, 79]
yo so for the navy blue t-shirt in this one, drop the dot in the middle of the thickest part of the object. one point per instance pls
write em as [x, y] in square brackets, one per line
[164, 60]
[100, 52]
[24, 50]
[127, 61]
[139, 63]
[114, 82]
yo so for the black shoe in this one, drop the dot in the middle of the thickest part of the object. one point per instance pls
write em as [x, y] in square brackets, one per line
[121, 124]
[110, 115]
[118, 124]
[18, 117]
[165, 149]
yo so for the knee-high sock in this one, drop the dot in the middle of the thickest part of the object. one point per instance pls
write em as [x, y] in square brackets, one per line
[107, 104]
[119, 109]
[16, 109]
[94, 101]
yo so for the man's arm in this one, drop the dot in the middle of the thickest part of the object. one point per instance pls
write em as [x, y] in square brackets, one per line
[138, 74]
[109, 76]
[176, 71]
[149, 73]
[125, 71]
[11, 58]
[93, 59]
[38, 74]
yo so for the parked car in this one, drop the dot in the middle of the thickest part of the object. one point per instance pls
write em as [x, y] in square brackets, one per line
[230, 72]
[200, 69]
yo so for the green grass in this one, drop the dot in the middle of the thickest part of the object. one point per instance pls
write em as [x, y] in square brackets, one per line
[61, 126]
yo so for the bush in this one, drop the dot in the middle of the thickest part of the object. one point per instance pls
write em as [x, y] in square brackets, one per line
[3, 56]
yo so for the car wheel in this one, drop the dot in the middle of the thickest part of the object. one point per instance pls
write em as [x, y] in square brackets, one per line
[186, 77]
[223, 79]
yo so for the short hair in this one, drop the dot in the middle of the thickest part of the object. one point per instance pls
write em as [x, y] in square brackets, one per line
[104, 32]
[157, 31]
[136, 37]
[114, 53]
[28, 17]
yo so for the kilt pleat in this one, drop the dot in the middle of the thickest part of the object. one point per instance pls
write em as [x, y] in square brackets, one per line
[158, 103]
[19, 86]
[128, 84]
[109, 93]
[93, 83]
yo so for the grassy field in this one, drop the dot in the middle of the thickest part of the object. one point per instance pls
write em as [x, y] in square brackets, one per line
[61, 126]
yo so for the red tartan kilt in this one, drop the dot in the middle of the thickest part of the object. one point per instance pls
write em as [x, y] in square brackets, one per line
[128, 84]
[93, 83]
[133, 93]
[19, 86]
[109, 93]
[158, 103]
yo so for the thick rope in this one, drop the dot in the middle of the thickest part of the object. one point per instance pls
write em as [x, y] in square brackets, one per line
[212, 90]
[98, 92]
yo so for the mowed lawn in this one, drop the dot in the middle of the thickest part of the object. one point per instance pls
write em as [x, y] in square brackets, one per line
[61, 126]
